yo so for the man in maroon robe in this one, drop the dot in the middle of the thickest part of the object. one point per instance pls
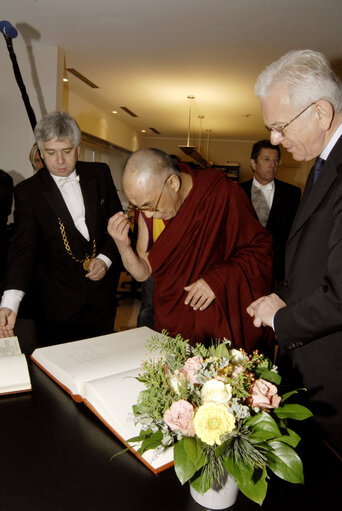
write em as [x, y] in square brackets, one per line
[212, 258]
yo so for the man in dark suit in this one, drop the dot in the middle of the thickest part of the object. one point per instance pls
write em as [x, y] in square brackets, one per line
[275, 202]
[61, 250]
[6, 198]
[301, 99]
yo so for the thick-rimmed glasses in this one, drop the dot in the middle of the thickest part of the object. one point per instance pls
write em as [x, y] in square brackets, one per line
[153, 209]
[279, 130]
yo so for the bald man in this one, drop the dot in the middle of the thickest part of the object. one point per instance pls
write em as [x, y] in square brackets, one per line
[212, 256]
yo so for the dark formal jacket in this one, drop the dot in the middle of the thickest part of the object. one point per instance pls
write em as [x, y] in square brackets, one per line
[38, 257]
[284, 206]
[309, 328]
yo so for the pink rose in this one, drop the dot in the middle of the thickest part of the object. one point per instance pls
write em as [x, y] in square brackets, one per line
[264, 395]
[190, 368]
[236, 371]
[179, 417]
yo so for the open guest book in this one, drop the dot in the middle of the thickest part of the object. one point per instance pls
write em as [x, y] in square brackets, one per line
[14, 374]
[100, 372]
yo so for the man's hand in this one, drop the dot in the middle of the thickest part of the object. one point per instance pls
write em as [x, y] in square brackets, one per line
[118, 228]
[264, 309]
[200, 295]
[7, 322]
[97, 269]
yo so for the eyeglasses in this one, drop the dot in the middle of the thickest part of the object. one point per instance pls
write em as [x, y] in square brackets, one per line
[147, 208]
[279, 130]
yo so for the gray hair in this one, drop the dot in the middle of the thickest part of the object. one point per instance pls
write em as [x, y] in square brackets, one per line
[307, 74]
[58, 125]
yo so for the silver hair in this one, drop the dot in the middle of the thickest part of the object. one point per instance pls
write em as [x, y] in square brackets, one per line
[58, 125]
[307, 74]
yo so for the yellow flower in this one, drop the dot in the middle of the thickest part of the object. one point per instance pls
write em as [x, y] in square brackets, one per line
[212, 421]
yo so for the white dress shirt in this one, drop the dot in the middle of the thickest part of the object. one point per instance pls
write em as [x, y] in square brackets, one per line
[71, 192]
[262, 199]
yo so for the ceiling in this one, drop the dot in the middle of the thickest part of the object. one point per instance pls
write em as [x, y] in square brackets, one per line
[149, 55]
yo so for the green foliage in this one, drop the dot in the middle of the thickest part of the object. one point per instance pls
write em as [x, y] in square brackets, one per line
[293, 411]
[261, 441]
[263, 427]
[285, 462]
[251, 482]
[173, 351]
[158, 395]
[188, 457]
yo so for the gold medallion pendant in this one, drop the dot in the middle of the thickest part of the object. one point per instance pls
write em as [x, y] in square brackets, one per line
[86, 264]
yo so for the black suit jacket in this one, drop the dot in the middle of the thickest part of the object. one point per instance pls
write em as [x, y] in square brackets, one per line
[284, 206]
[310, 327]
[38, 258]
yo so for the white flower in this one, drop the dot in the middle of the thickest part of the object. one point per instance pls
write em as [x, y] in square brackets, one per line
[174, 382]
[215, 391]
[238, 358]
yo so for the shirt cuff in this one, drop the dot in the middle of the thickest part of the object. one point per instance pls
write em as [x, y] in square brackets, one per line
[11, 299]
[105, 259]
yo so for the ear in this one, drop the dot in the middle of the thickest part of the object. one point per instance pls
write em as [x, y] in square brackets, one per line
[174, 182]
[252, 164]
[325, 113]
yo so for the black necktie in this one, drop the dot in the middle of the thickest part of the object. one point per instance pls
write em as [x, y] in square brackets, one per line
[317, 168]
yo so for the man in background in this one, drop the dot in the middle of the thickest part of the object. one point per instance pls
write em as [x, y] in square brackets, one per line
[212, 256]
[6, 199]
[301, 100]
[275, 202]
[60, 250]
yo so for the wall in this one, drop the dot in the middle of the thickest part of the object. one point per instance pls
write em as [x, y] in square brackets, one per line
[95, 121]
[223, 151]
[39, 68]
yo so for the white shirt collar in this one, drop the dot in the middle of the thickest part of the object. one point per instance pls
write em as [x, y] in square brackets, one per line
[330, 145]
[58, 179]
[269, 186]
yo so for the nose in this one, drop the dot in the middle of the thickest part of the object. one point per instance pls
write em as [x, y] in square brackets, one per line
[60, 157]
[276, 137]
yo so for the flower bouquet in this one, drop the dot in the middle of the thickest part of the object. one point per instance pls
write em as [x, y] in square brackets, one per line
[220, 409]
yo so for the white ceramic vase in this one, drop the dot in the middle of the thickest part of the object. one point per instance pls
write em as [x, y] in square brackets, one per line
[218, 497]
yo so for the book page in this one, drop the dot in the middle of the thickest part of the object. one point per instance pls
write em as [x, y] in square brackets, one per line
[74, 363]
[112, 398]
[9, 346]
[14, 374]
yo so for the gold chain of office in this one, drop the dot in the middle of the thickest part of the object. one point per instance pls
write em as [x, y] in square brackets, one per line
[86, 261]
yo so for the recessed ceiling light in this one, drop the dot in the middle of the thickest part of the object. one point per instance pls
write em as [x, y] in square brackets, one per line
[114, 112]
[143, 131]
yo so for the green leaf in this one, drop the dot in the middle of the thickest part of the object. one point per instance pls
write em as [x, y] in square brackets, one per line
[251, 482]
[285, 396]
[151, 442]
[188, 458]
[203, 481]
[292, 411]
[263, 426]
[270, 376]
[284, 462]
[221, 351]
[144, 433]
[290, 437]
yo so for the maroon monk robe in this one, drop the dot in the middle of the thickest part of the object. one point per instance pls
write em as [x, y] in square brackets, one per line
[215, 236]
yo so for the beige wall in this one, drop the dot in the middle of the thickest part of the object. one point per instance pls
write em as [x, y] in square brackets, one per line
[42, 71]
[223, 151]
[39, 68]
[95, 121]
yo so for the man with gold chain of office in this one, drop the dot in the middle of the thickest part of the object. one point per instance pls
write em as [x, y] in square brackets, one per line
[61, 256]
